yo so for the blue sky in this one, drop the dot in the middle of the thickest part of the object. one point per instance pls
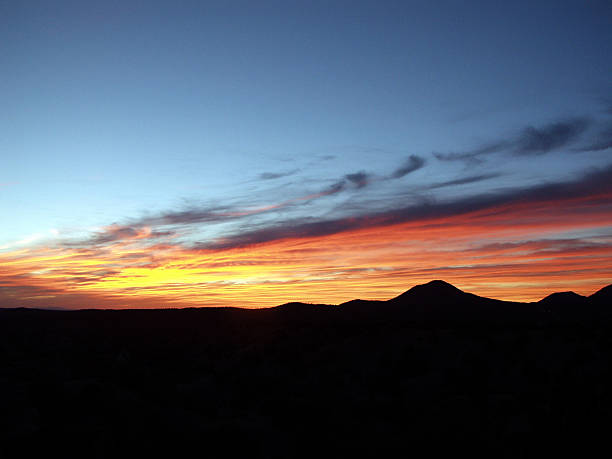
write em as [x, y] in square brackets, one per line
[114, 112]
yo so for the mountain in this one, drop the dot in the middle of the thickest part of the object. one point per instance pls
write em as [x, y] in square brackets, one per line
[566, 306]
[440, 301]
[563, 298]
[435, 289]
[603, 295]
[600, 302]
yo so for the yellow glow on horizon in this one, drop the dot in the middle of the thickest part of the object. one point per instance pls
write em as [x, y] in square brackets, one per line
[511, 254]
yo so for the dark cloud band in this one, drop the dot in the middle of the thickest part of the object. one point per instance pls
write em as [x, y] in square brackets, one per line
[530, 141]
[591, 184]
[412, 164]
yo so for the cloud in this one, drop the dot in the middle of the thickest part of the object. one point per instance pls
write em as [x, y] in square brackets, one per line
[546, 246]
[591, 184]
[137, 228]
[528, 142]
[412, 164]
[276, 175]
[335, 188]
[117, 233]
[140, 228]
[359, 179]
[224, 213]
[535, 141]
[356, 180]
[472, 156]
[602, 141]
[465, 180]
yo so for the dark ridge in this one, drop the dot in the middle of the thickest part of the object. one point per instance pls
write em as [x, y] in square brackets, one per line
[600, 302]
[604, 294]
[435, 289]
[566, 306]
[298, 306]
[562, 298]
[364, 307]
[439, 301]
[297, 310]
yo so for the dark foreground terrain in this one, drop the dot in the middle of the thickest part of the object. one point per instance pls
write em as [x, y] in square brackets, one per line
[433, 371]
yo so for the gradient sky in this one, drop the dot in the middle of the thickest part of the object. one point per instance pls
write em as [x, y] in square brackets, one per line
[251, 153]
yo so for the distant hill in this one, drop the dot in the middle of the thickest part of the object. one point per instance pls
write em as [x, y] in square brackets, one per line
[440, 301]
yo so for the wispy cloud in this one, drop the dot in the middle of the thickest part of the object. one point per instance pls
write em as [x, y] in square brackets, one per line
[163, 224]
[161, 227]
[413, 163]
[276, 175]
[472, 156]
[602, 140]
[530, 141]
[358, 179]
[536, 141]
[465, 180]
[591, 184]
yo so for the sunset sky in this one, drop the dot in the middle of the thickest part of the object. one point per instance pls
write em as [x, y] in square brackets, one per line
[195, 153]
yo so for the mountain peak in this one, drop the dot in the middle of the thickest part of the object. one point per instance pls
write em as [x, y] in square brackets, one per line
[437, 283]
[603, 294]
[562, 297]
[432, 289]
[436, 287]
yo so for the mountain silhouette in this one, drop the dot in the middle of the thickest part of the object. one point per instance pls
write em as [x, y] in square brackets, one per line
[440, 301]
[600, 302]
[434, 289]
[566, 305]
[563, 298]
[603, 295]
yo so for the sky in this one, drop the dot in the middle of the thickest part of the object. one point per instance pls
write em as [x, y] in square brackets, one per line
[193, 153]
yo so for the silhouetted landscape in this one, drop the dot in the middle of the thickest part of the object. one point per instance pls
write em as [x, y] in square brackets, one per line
[435, 369]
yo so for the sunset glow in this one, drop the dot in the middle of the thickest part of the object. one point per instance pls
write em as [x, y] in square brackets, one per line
[516, 252]
[238, 154]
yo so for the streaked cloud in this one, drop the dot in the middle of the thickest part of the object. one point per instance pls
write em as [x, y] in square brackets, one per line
[413, 163]
[530, 141]
[472, 156]
[591, 184]
[536, 141]
[465, 180]
[276, 175]
[602, 140]
[358, 179]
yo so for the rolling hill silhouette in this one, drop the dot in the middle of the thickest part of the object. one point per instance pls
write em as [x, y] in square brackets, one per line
[441, 301]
